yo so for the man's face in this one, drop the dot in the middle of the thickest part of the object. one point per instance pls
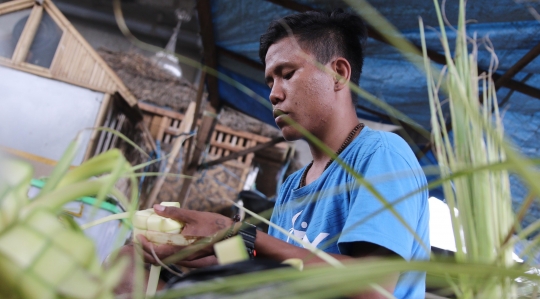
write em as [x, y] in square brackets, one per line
[300, 90]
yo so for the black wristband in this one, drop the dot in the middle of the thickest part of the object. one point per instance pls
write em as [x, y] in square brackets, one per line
[248, 232]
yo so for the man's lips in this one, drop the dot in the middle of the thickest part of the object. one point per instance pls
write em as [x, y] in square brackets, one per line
[277, 113]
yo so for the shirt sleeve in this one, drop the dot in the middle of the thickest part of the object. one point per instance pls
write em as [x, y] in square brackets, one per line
[393, 177]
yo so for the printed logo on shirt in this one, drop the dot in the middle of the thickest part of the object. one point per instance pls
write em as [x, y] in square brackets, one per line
[301, 234]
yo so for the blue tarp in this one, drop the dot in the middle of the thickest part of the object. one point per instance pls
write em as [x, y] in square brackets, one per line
[508, 26]
[259, 108]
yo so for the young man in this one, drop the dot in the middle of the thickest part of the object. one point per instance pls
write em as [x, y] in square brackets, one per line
[310, 59]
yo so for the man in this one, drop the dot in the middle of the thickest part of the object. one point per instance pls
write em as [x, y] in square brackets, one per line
[309, 59]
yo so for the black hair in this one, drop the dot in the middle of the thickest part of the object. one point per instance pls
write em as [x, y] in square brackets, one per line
[324, 34]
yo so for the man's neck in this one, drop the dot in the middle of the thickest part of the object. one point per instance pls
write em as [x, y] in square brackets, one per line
[321, 160]
[334, 139]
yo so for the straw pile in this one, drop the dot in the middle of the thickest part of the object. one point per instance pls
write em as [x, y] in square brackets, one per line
[149, 83]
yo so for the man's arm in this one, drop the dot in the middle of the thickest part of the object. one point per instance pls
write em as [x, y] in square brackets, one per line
[275, 249]
[208, 224]
[272, 248]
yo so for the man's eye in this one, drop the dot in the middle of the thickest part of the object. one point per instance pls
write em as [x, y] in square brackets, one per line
[288, 75]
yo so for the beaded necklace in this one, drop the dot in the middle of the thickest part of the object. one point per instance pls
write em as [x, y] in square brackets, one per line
[347, 141]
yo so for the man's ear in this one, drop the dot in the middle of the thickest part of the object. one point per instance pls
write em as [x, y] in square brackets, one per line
[342, 73]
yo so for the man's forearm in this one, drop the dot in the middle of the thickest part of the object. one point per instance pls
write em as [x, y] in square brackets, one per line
[276, 249]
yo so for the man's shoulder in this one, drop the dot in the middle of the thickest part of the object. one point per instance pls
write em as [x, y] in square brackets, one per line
[371, 140]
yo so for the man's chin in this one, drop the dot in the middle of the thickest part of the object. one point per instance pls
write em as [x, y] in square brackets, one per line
[290, 134]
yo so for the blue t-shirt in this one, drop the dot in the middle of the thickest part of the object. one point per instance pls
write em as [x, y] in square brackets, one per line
[335, 210]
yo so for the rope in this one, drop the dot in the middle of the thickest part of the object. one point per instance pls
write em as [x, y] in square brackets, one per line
[162, 264]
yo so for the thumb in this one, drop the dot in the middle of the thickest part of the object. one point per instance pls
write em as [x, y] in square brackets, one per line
[171, 212]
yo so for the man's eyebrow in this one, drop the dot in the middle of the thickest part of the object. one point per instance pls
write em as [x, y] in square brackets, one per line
[268, 79]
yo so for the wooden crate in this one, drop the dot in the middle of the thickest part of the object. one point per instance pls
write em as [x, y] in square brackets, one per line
[164, 124]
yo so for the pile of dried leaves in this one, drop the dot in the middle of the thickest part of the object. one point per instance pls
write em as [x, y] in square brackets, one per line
[150, 83]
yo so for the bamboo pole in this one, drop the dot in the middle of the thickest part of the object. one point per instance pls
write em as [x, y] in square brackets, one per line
[156, 110]
[242, 153]
[59, 53]
[12, 6]
[198, 100]
[147, 136]
[106, 123]
[517, 67]
[99, 120]
[26, 67]
[119, 125]
[35, 69]
[165, 122]
[214, 144]
[177, 145]
[28, 34]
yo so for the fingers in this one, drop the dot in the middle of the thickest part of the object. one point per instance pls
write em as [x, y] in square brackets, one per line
[161, 251]
[147, 257]
[195, 256]
[146, 251]
[199, 263]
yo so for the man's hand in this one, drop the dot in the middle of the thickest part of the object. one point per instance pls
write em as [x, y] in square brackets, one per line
[196, 224]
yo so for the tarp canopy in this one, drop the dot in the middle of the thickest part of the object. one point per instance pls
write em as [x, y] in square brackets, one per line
[508, 26]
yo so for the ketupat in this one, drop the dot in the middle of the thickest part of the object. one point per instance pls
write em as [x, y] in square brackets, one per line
[40, 257]
[157, 229]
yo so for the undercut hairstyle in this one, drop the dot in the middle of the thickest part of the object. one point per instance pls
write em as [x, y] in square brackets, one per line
[326, 35]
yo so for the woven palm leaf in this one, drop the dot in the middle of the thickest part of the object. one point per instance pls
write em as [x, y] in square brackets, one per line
[40, 256]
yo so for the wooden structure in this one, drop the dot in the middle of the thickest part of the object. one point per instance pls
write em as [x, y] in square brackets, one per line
[212, 186]
[73, 63]
[36, 39]
[164, 125]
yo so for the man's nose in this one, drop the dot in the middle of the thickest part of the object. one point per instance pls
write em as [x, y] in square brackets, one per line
[276, 94]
